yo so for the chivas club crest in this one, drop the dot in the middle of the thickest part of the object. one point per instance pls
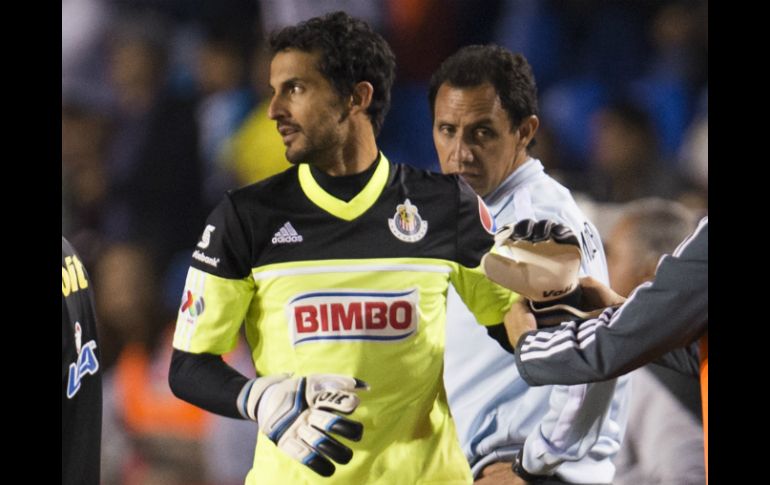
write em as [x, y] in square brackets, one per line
[406, 224]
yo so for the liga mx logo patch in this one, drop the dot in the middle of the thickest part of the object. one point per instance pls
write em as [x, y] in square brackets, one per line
[345, 315]
[486, 218]
[191, 304]
[406, 224]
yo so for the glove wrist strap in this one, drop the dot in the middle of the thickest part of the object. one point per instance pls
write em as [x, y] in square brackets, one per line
[573, 299]
[248, 398]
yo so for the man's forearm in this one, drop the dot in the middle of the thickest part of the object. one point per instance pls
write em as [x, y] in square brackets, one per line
[669, 313]
[206, 381]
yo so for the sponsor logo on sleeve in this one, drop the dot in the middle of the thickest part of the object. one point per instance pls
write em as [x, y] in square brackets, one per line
[205, 259]
[203, 244]
[206, 237]
[346, 315]
[73, 276]
[86, 364]
[486, 217]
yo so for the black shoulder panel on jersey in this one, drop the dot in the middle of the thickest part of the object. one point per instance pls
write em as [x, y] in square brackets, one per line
[229, 242]
[280, 224]
[473, 238]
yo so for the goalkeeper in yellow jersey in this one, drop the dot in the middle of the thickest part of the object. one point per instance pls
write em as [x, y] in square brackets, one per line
[338, 270]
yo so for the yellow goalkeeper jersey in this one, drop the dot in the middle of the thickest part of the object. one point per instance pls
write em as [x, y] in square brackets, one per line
[355, 288]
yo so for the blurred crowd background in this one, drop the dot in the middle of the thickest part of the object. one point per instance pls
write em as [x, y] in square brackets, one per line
[164, 108]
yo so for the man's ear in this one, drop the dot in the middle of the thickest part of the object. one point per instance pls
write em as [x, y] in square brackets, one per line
[362, 96]
[527, 129]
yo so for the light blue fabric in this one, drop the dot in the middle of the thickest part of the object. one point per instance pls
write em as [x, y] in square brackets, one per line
[495, 411]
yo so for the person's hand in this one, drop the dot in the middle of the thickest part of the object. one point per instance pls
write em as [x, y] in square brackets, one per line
[518, 321]
[597, 295]
[498, 473]
[298, 413]
[594, 294]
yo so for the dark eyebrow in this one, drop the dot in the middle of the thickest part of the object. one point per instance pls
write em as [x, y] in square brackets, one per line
[487, 122]
[288, 81]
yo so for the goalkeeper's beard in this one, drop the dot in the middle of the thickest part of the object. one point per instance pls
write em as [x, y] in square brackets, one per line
[316, 147]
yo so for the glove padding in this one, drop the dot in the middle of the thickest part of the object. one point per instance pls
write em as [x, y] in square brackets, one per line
[540, 261]
[297, 413]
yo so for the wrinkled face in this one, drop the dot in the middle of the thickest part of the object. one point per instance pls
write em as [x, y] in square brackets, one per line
[310, 115]
[473, 137]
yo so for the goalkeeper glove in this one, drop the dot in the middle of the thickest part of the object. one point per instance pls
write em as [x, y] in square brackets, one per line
[540, 261]
[297, 413]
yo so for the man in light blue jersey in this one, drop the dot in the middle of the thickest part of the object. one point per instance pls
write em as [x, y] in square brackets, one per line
[484, 105]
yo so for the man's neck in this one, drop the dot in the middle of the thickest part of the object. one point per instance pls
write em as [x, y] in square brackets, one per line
[355, 156]
[520, 159]
[344, 187]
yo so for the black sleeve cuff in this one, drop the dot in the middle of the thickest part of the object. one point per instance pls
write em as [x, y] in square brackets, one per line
[498, 333]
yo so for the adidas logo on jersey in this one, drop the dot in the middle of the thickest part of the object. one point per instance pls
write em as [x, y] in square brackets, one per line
[286, 235]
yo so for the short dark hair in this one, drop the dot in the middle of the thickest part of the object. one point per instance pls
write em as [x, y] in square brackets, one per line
[351, 52]
[509, 73]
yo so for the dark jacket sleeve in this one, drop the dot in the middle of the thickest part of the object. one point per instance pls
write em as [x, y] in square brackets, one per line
[685, 360]
[206, 381]
[658, 318]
